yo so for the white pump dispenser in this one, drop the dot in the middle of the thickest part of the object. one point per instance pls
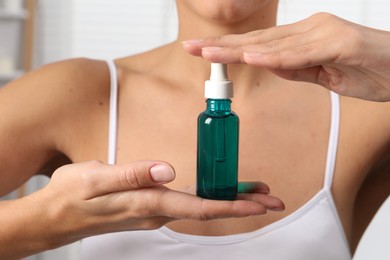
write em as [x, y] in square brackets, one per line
[218, 87]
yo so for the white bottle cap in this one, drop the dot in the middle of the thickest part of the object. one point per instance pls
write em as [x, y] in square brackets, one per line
[218, 87]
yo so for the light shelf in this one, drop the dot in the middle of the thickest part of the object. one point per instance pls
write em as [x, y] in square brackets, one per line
[10, 76]
[13, 15]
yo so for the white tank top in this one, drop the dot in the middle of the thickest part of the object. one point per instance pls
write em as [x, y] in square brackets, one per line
[313, 232]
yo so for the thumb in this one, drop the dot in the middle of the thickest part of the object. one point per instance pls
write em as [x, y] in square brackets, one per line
[103, 179]
[162, 173]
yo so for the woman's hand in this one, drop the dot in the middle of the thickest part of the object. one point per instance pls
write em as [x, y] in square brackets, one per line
[344, 57]
[93, 198]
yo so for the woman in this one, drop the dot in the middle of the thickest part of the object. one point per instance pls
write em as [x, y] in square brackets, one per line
[280, 131]
[289, 139]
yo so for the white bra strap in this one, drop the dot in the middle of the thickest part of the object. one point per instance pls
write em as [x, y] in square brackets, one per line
[112, 130]
[333, 140]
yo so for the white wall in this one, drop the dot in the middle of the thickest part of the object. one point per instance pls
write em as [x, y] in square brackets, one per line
[373, 13]
[125, 26]
[54, 31]
[102, 29]
[112, 28]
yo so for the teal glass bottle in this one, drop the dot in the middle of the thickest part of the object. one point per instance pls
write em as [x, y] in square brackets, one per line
[218, 133]
[217, 164]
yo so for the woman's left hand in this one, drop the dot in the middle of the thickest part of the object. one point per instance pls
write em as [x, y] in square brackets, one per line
[344, 57]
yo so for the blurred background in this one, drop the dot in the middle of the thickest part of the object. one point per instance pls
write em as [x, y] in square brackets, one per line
[36, 32]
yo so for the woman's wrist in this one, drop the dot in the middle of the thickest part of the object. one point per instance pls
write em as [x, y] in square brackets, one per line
[18, 226]
[25, 229]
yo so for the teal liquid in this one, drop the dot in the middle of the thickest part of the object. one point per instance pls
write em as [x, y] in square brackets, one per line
[217, 156]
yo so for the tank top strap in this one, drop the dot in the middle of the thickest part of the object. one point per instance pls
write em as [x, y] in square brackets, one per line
[333, 133]
[112, 130]
[333, 140]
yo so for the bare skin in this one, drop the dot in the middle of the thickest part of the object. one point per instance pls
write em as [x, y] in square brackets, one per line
[62, 115]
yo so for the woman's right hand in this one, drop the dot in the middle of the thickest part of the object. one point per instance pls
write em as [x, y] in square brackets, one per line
[342, 56]
[93, 198]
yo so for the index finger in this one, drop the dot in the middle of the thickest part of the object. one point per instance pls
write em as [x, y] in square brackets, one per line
[188, 206]
[194, 46]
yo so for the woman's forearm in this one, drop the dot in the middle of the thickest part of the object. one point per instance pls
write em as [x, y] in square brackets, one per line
[93, 198]
[24, 229]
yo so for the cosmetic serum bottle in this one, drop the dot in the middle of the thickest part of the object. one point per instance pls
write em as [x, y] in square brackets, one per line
[218, 130]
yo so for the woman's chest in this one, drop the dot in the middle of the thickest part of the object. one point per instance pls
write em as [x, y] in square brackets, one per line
[278, 154]
[287, 149]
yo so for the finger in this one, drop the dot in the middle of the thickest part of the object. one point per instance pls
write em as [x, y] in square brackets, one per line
[296, 51]
[268, 201]
[195, 46]
[191, 207]
[243, 187]
[103, 179]
[225, 55]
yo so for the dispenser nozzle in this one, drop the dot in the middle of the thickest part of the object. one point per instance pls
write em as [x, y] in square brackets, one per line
[218, 87]
[218, 72]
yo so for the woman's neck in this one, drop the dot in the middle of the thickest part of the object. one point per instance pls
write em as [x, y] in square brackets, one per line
[193, 26]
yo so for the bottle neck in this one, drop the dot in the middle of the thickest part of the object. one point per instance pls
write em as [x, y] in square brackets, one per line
[218, 106]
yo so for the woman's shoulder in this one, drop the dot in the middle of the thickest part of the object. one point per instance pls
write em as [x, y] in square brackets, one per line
[73, 74]
[64, 74]
[47, 105]
[68, 80]
[59, 90]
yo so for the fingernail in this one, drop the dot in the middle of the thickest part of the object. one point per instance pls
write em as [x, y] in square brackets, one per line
[276, 209]
[193, 41]
[211, 49]
[162, 173]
